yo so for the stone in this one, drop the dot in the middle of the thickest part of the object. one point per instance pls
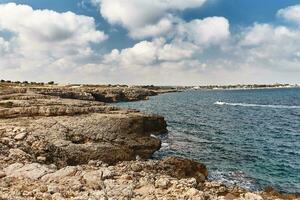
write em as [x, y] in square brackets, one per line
[62, 173]
[89, 150]
[106, 174]
[32, 171]
[93, 179]
[52, 189]
[41, 159]
[162, 183]
[252, 196]
[184, 168]
[57, 196]
[20, 136]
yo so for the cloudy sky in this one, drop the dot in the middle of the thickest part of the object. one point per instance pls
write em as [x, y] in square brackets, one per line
[162, 42]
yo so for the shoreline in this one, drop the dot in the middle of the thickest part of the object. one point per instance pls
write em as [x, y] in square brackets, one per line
[54, 137]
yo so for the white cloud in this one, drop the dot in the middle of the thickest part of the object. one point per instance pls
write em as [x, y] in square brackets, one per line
[153, 30]
[4, 46]
[291, 13]
[40, 38]
[43, 45]
[211, 30]
[151, 53]
[269, 47]
[136, 15]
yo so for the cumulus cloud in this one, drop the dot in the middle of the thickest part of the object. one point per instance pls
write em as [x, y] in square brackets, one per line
[290, 13]
[151, 53]
[187, 40]
[43, 45]
[211, 30]
[40, 38]
[136, 15]
[4, 46]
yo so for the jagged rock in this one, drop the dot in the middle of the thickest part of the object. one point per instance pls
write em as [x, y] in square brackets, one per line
[184, 168]
[71, 132]
[72, 140]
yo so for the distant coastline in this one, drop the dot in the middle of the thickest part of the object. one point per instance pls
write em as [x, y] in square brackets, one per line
[245, 87]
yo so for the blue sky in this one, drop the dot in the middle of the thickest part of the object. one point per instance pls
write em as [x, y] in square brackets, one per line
[238, 12]
[183, 42]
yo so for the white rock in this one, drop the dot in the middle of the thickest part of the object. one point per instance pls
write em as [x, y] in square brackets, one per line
[52, 189]
[41, 159]
[32, 171]
[21, 136]
[106, 173]
[67, 171]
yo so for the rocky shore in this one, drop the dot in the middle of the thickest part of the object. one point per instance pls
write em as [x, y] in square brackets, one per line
[64, 142]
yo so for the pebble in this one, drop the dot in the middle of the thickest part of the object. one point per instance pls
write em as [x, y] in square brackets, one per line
[41, 159]
[52, 189]
[162, 183]
[21, 136]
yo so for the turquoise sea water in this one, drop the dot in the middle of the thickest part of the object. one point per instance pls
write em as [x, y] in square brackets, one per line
[245, 137]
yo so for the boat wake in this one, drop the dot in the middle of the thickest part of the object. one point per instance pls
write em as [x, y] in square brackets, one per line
[256, 105]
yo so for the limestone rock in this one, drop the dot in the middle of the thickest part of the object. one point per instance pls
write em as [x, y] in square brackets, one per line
[162, 183]
[252, 196]
[32, 171]
[21, 136]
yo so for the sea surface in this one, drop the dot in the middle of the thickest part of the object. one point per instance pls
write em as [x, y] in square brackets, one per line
[246, 137]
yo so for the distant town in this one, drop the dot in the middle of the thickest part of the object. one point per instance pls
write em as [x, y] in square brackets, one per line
[153, 87]
[247, 86]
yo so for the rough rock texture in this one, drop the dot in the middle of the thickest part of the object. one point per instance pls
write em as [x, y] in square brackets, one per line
[97, 180]
[52, 147]
[102, 94]
[71, 132]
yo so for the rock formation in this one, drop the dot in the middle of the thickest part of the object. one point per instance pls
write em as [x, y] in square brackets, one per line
[64, 143]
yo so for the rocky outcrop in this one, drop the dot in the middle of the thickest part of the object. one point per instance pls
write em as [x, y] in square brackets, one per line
[70, 132]
[126, 180]
[53, 147]
[102, 94]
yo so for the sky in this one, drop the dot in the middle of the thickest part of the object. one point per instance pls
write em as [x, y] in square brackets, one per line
[160, 42]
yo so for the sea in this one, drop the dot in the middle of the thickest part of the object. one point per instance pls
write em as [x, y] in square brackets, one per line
[249, 138]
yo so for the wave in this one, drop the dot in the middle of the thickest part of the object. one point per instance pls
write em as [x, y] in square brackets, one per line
[232, 178]
[256, 105]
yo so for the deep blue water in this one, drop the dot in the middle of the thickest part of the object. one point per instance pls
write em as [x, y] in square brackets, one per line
[245, 137]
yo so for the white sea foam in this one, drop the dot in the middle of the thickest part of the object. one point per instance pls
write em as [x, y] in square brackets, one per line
[165, 146]
[256, 105]
[234, 178]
